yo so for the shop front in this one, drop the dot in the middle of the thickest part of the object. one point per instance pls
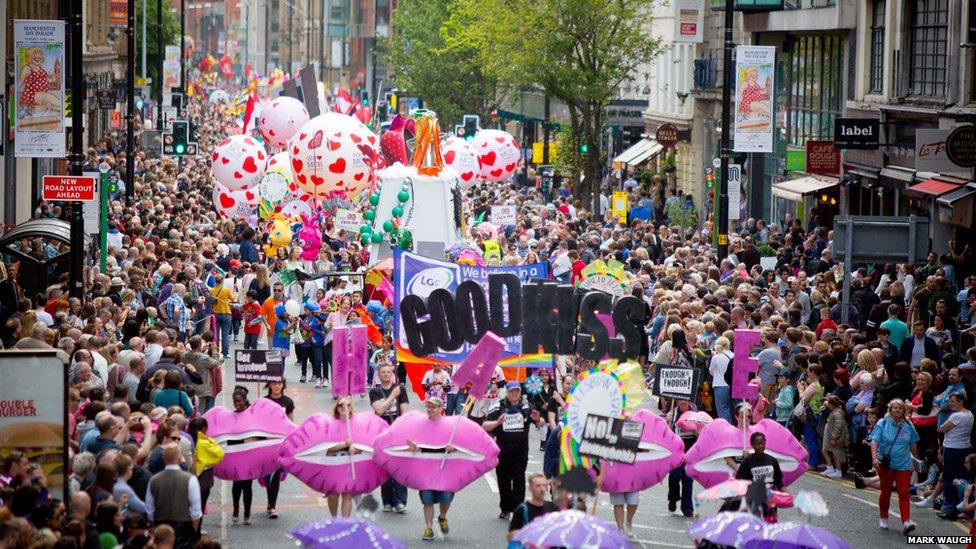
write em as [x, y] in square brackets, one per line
[922, 199]
[804, 197]
[958, 209]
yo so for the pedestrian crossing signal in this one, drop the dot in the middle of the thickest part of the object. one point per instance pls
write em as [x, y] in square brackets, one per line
[177, 142]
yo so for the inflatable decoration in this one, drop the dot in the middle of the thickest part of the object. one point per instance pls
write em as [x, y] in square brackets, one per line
[333, 153]
[660, 451]
[250, 439]
[475, 452]
[393, 142]
[461, 155]
[278, 237]
[272, 192]
[293, 307]
[499, 154]
[296, 208]
[705, 460]
[304, 453]
[239, 162]
[310, 240]
[281, 119]
[234, 204]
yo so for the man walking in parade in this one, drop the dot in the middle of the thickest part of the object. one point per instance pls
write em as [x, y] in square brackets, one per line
[509, 421]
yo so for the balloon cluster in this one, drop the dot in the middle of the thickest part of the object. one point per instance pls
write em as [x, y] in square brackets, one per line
[391, 227]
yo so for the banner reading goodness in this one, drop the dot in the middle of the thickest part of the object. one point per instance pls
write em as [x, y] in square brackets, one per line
[419, 275]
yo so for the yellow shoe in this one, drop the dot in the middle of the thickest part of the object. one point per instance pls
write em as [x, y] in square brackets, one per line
[442, 522]
[428, 534]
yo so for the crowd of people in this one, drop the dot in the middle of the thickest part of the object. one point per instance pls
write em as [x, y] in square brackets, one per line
[882, 398]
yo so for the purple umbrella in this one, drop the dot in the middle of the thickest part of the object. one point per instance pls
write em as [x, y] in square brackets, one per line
[793, 535]
[728, 528]
[572, 529]
[344, 532]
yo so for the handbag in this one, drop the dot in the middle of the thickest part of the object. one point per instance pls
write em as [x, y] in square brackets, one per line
[886, 460]
[800, 412]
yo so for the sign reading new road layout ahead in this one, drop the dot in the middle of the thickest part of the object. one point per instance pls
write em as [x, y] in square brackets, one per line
[69, 188]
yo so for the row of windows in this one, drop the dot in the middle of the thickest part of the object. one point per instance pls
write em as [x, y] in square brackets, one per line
[928, 55]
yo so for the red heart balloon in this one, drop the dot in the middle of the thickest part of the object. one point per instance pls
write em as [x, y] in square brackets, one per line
[226, 202]
[250, 166]
[449, 157]
[488, 159]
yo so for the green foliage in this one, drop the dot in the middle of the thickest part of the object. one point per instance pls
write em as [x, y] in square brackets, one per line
[678, 215]
[447, 75]
[171, 34]
[765, 250]
[578, 51]
[568, 160]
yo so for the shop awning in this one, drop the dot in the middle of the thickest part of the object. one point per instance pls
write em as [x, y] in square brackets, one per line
[949, 200]
[957, 207]
[642, 150]
[795, 189]
[896, 177]
[654, 150]
[932, 188]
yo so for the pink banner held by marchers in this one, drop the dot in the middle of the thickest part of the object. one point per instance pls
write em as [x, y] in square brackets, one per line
[349, 348]
[478, 368]
[744, 364]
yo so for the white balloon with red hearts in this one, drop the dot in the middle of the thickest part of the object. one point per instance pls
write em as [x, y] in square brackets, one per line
[234, 204]
[281, 119]
[461, 155]
[239, 162]
[296, 208]
[333, 153]
[499, 154]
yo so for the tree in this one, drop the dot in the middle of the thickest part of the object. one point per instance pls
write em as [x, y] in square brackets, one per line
[578, 51]
[171, 33]
[449, 78]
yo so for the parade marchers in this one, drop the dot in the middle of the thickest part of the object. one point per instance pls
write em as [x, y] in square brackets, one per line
[882, 400]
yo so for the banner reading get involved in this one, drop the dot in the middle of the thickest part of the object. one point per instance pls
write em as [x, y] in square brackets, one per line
[419, 275]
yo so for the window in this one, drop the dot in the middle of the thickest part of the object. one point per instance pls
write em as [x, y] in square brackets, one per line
[929, 36]
[814, 87]
[877, 46]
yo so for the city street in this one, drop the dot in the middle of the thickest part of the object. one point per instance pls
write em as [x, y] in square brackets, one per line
[473, 516]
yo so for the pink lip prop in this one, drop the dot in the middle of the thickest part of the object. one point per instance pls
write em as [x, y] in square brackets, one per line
[304, 453]
[476, 453]
[250, 439]
[705, 460]
[661, 450]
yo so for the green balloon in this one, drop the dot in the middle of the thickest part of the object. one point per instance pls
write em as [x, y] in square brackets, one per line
[365, 229]
[374, 199]
[403, 196]
[377, 238]
[397, 211]
[388, 226]
[364, 238]
[370, 215]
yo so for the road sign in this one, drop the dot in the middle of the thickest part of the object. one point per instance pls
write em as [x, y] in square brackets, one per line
[735, 191]
[69, 188]
[90, 209]
[169, 116]
[106, 99]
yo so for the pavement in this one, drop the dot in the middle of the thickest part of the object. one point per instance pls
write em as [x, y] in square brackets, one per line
[474, 519]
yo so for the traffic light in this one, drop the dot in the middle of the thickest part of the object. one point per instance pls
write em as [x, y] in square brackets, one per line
[584, 148]
[181, 137]
[470, 122]
[364, 97]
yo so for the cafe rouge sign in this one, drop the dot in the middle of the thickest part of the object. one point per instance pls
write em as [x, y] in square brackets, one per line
[822, 158]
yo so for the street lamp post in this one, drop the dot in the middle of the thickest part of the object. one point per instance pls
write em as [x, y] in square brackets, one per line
[130, 96]
[76, 159]
[159, 65]
[722, 221]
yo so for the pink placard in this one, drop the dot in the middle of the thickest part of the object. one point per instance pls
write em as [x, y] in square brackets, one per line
[743, 364]
[607, 320]
[349, 350]
[480, 365]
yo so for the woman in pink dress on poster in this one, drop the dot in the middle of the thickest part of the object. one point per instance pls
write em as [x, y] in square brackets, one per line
[754, 98]
[36, 83]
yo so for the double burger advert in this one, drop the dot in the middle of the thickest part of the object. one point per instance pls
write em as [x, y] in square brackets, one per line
[32, 411]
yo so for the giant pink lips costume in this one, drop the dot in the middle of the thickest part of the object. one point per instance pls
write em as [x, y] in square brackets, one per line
[660, 451]
[705, 461]
[250, 439]
[476, 453]
[304, 454]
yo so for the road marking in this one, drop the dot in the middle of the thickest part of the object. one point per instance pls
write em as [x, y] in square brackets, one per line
[659, 528]
[660, 544]
[873, 504]
[492, 482]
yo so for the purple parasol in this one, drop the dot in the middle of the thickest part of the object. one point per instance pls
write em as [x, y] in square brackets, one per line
[792, 535]
[343, 532]
[572, 529]
[728, 528]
